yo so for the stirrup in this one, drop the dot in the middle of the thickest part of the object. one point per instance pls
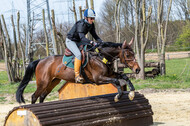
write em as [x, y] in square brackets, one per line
[79, 79]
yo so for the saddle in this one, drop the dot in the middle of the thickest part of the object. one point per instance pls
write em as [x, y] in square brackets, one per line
[81, 48]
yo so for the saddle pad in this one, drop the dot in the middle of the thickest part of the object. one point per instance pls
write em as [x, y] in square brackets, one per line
[69, 60]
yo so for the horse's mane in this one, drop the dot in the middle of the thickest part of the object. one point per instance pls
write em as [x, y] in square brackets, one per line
[111, 44]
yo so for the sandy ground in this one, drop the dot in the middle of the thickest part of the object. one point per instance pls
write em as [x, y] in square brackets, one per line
[171, 107]
[2, 67]
[168, 55]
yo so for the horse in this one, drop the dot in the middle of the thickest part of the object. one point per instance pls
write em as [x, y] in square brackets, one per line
[50, 71]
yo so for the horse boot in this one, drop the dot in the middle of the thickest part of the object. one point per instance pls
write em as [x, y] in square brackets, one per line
[77, 65]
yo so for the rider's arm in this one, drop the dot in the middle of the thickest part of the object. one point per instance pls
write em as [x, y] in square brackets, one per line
[80, 30]
[95, 36]
[84, 40]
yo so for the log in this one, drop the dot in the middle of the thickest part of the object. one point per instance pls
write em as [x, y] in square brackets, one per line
[89, 111]
[152, 64]
[73, 90]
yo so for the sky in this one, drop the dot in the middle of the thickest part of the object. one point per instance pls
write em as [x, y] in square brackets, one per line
[9, 7]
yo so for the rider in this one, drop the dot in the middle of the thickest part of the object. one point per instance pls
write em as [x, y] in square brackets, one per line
[76, 37]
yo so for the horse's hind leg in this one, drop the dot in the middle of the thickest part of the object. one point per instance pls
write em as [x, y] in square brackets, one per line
[49, 89]
[41, 86]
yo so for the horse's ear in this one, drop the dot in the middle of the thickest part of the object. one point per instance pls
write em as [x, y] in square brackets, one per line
[131, 42]
[124, 45]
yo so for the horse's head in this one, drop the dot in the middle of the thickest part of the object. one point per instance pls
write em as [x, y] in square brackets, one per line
[127, 56]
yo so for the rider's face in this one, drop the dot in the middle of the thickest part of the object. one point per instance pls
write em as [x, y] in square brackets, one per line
[90, 20]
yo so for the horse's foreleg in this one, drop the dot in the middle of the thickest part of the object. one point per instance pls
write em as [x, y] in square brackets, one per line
[124, 77]
[131, 94]
[129, 83]
[50, 87]
[115, 82]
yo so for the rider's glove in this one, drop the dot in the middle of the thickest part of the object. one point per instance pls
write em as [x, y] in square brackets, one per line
[93, 43]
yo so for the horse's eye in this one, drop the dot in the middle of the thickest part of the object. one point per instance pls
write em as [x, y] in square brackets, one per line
[127, 55]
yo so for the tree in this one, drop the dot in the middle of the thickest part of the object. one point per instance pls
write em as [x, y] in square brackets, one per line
[117, 20]
[184, 38]
[183, 8]
[140, 12]
[162, 32]
[107, 21]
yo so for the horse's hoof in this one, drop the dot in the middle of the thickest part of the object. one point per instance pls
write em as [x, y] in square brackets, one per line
[116, 98]
[131, 95]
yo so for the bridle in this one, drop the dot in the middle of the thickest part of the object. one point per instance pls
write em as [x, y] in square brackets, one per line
[126, 59]
[123, 55]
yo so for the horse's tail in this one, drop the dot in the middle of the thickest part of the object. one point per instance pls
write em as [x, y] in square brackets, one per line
[30, 70]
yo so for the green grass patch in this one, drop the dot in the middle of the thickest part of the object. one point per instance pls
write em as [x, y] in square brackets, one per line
[2, 99]
[31, 88]
[177, 76]
[3, 77]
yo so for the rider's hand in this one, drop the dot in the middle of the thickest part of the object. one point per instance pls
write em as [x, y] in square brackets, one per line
[93, 43]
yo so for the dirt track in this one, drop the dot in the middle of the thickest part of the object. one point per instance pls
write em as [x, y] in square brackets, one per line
[171, 108]
[168, 55]
[2, 67]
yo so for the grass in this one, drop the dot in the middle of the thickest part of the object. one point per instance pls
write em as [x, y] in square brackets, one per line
[3, 77]
[2, 99]
[177, 76]
[31, 87]
[10, 90]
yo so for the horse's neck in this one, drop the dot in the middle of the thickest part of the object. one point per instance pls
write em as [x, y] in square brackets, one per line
[110, 52]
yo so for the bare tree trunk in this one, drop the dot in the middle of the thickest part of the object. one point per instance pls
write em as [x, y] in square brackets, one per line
[161, 38]
[132, 17]
[92, 4]
[137, 29]
[8, 38]
[80, 11]
[15, 58]
[5, 52]
[54, 30]
[62, 41]
[74, 11]
[1, 47]
[86, 4]
[45, 33]
[117, 20]
[9, 55]
[19, 40]
[30, 50]
[117, 25]
[143, 41]
[89, 36]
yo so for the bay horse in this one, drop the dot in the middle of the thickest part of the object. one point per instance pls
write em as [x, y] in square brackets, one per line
[50, 71]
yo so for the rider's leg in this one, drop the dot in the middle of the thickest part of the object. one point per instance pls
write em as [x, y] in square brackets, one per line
[71, 45]
[77, 65]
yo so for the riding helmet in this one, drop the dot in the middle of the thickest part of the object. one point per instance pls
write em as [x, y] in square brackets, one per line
[89, 13]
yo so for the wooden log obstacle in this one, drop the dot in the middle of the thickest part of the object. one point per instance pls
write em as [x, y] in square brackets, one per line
[98, 110]
[151, 73]
[73, 90]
